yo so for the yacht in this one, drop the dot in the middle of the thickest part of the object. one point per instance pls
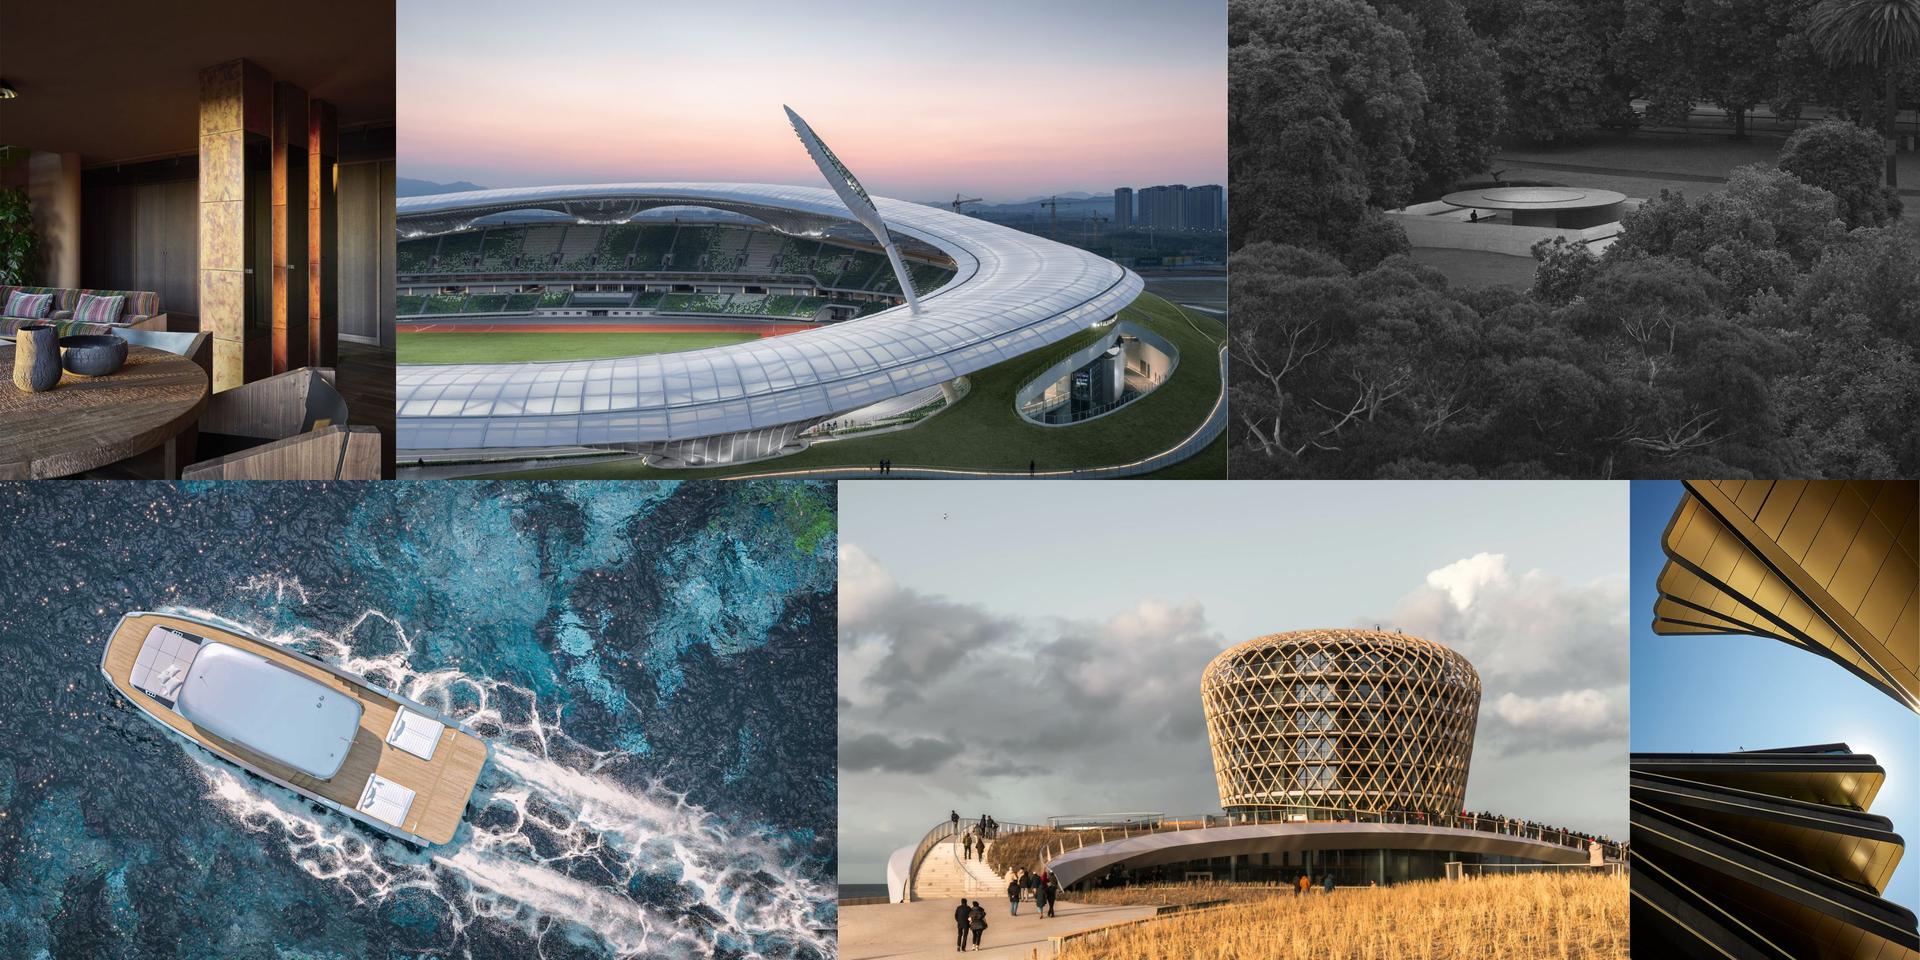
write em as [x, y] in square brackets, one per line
[397, 766]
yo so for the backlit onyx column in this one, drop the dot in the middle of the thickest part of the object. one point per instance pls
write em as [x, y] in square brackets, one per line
[236, 121]
[291, 205]
[323, 310]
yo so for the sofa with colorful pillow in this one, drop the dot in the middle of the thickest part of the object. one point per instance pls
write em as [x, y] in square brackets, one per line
[74, 311]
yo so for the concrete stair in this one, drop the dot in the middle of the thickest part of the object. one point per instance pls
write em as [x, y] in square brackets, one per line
[946, 874]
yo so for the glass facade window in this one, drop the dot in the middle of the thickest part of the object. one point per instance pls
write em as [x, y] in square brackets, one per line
[1313, 692]
[1314, 748]
[1315, 776]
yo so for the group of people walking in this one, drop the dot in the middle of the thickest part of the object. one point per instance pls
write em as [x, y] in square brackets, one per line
[1514, 826]
[969, 918]
[1037, 887]
[973, 847]
[973, 843]
[987, 828]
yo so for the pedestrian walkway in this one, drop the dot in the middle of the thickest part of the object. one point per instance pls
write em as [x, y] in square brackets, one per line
[948, 873]
[924, 930]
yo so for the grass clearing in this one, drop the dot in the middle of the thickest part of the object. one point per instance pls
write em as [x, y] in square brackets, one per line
[1523, 917]
[414, 347]
[984, 431]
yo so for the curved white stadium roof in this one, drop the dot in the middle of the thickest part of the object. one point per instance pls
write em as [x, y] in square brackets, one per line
[1013, 293]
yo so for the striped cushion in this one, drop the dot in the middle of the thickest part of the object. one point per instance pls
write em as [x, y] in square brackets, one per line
[29, 306]
[9, 326]
[92, 309]
[140, 303]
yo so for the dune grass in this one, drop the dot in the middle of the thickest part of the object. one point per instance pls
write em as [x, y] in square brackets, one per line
[1540, 916]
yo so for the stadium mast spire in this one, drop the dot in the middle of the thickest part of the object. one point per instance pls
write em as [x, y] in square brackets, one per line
[855, 197]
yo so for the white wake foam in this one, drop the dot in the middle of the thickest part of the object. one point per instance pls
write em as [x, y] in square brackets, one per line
[547, 821]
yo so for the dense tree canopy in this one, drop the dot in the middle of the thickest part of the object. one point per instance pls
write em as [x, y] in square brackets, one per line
[1769, 328]
[1844, 160]
[1655, 366]
[1727, 52]
[1557, 70]
[1337, 106]
[1323, 102]
[1465, 107]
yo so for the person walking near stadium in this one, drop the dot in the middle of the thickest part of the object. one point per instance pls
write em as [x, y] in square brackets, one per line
[961, 914]
[977, 922]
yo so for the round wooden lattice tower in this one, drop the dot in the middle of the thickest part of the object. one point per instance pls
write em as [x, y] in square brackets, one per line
[1341, 719]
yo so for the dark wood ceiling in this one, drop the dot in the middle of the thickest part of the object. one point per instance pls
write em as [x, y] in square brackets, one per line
[118, 80]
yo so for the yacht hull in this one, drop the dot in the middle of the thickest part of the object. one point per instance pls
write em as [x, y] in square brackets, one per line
[441, 786]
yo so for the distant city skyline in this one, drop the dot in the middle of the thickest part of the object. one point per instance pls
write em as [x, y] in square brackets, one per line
[1012, 101]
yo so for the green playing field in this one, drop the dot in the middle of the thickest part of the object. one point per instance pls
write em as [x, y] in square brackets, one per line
[510, 347]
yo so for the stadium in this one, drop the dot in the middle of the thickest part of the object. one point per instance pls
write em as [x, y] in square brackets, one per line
[713, 325]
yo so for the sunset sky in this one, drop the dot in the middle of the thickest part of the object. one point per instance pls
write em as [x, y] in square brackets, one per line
[1002, 99]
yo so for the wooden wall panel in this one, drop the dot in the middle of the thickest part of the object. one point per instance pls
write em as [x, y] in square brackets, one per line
[366, 245]
[141, 236]
[289, 311]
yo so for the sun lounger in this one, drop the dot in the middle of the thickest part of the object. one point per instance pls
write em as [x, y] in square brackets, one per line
[385, 800]
[415, 734]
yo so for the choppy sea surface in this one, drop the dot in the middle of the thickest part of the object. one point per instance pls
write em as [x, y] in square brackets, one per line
[653, 663]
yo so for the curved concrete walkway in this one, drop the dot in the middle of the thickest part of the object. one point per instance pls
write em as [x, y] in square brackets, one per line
[924, 930]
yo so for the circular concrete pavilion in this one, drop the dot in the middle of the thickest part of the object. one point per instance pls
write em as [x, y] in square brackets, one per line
[1567, 208]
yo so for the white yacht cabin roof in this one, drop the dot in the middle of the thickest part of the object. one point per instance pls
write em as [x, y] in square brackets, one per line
[252, 701]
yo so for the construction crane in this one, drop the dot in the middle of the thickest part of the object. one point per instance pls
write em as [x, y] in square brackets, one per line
[1091, 218]
[1053, 216]
[958, 200]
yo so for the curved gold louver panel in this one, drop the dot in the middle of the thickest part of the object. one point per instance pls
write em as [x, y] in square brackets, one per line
[1342, 719]
[1827, 565]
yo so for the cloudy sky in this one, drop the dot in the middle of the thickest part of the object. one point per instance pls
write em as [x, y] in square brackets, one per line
[1035, 650]
[1003, 99]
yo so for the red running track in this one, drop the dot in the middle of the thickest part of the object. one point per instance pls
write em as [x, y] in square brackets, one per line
[762, 329]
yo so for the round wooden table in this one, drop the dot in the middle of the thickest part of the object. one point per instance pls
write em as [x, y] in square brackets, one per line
[89, 422]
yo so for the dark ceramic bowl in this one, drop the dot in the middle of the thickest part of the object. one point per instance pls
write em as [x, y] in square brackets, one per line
[92, 355]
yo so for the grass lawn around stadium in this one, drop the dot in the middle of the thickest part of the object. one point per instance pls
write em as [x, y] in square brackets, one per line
[984, 431]
[414, 347]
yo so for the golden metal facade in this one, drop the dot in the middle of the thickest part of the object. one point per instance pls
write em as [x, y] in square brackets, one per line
[1341, 719]
[1825, 565]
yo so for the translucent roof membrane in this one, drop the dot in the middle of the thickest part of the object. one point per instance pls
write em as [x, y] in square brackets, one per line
[1013, 293]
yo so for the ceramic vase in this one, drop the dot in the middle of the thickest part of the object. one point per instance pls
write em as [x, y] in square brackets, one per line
[36, 357]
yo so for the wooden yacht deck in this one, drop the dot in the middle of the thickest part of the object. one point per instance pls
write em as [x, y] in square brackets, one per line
[441, 786]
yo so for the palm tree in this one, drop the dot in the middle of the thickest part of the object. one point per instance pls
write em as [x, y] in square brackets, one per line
[1876, 33]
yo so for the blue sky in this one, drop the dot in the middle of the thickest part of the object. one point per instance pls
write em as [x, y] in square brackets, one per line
[968, 610]
[1714, 694]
